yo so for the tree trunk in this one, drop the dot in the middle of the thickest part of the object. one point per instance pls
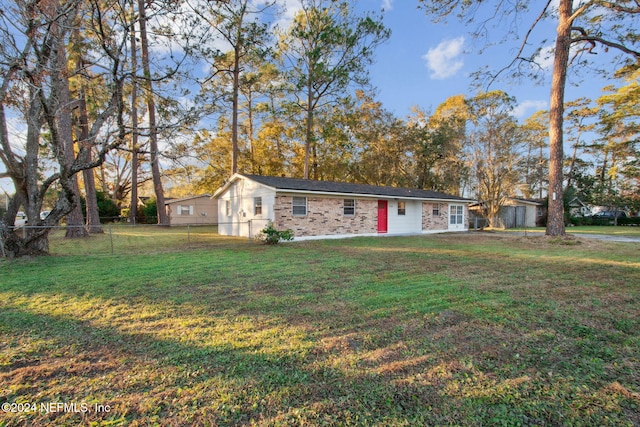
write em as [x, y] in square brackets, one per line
[75, 218]
[153, 130]
[309, 131]
[234, 113]
[133, 208]
[555, 218]
[93, 215]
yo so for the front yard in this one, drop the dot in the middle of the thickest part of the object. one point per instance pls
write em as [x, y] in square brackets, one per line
[464, 329]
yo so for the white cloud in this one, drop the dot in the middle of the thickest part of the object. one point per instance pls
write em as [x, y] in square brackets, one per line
[525, 107]
[555, 5]
[544, 58]
[288, 9]
[445, 60]
[387, 5]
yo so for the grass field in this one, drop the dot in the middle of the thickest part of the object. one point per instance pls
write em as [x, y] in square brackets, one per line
[461, 329]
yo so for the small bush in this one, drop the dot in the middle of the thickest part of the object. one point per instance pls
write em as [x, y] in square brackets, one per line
[633, 220]
[271, 236]
[579, 220]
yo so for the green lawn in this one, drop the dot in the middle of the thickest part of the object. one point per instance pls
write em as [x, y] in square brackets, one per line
[462, 329]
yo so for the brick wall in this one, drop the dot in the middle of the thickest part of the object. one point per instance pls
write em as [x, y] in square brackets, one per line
[325, 216]
[431, 222]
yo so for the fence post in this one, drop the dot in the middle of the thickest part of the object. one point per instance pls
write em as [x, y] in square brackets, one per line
[111, 238]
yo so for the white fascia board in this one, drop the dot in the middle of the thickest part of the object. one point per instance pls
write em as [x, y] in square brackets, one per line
[369, 196]
[235, 177]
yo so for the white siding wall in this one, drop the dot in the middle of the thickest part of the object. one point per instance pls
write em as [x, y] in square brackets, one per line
[411, 222]
[242, 221]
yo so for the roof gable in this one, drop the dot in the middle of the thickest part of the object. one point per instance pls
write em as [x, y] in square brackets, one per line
[307, 185]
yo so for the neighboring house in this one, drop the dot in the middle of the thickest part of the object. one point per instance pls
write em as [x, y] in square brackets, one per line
[322, 209]
[194, 210]
[516, 212]
[579, 208]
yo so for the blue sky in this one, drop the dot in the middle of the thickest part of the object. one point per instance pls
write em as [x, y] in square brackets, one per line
[424, 63]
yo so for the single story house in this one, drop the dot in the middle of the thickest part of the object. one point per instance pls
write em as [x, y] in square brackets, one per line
[193, 210]
[323, 209]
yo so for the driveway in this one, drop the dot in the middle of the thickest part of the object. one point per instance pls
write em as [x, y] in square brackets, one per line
[609, 238]
[605, 237]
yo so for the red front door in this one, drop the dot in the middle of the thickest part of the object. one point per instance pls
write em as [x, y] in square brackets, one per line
[382, 216]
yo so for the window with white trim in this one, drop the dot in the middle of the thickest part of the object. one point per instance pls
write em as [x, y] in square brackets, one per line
[184, 210]
[456, 215]
[349, 207]
[257, 205]
[402, 209]
[227, 207]
[299, 206]
[436, 209]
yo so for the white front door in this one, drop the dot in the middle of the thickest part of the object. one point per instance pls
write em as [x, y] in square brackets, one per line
[456, 217]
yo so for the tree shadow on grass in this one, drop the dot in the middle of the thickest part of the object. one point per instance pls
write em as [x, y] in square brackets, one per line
[372, 351]
[148, 380]
[365, 376]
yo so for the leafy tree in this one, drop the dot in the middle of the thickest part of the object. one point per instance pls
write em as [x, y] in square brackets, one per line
[437, 145]
[214, 151]
[536, 167]
[237, 24]
[271, 149]
[34, 85]
[581, 27]
[495, 141]
[325, 50]
[108, 210]
[151, 211]
[580, 119]
[620, 126]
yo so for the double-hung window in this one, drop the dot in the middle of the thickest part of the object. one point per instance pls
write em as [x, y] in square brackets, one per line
[402, 208]
[436, 209]
[227, 207]
[257, 205]
[349, 207]
[185, 210]
[299, 206]
[456, 215]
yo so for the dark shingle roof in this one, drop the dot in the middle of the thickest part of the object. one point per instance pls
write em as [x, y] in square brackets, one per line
[296, 184]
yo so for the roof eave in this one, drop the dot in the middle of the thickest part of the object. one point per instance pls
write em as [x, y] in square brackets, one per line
[371, 196]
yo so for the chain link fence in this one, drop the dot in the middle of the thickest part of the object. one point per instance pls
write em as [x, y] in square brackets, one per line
[125, 239]
[121, 238]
